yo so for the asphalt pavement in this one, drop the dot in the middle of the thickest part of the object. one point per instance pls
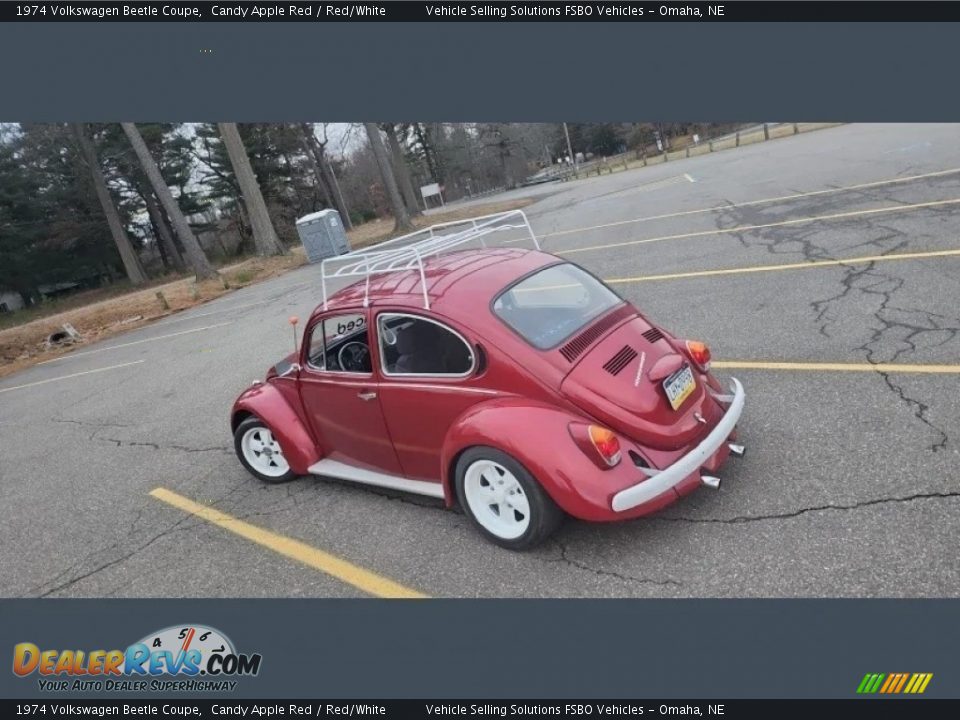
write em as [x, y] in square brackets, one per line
[822, 269]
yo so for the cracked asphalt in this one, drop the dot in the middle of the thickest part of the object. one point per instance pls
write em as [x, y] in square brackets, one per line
[850, 486]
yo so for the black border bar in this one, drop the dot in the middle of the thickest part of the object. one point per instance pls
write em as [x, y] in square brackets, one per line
[486, 709]
[849, 11]
[699, 651]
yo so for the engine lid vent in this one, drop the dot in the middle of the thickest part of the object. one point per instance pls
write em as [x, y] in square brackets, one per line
[573, 349]
[653, 334]
[619, 361]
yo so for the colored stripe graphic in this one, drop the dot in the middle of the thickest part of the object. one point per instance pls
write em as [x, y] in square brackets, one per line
[894, 683]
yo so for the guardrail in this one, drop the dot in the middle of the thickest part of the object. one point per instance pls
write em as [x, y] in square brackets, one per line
[642, 158]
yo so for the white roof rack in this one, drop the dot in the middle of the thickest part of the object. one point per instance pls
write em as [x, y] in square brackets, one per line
[408, 251]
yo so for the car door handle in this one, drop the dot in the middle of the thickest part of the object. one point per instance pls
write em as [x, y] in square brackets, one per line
[366, 395]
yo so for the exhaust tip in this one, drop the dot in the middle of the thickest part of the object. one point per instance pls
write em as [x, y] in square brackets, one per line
[710, 481]
[737, 450]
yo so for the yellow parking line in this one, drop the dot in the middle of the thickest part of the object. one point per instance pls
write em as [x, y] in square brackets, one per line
[836, 367]
[780, 223]
[365, 580]
[787, 266]
[751, 203]
[71, 375]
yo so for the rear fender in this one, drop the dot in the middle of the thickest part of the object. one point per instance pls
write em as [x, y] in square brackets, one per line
[538, 436]
[271, 405]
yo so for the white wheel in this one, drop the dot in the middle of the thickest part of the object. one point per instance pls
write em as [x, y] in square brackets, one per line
[263, 453]
[496, 499]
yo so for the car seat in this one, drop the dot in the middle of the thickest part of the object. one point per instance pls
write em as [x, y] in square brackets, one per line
[417, 353]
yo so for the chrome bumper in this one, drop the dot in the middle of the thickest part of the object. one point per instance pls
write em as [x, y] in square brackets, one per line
[662, 480]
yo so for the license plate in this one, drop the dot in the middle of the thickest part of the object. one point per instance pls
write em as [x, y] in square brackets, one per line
[679, 386]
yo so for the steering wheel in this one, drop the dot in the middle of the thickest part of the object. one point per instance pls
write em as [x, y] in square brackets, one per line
[354, 356]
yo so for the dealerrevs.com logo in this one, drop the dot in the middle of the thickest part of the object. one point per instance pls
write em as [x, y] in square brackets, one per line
[179, 658]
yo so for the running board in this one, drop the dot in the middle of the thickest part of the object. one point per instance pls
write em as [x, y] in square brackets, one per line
[342, 471]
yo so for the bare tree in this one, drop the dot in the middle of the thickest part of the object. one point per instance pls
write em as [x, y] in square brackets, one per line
[131, 261]
[195, 255]
[164, 236]
[264, 235]
[401, 217]
[496, 138]
[401, 170]
[307, 147]
[327, 178]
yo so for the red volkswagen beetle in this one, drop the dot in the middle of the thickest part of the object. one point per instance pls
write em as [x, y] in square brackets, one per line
[506, 380]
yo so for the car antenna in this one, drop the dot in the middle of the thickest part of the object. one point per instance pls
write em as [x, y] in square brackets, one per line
[293, 321]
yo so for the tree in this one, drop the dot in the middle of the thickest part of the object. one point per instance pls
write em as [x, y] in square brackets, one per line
[165, 244]
[195, 255]
[401, 217]
[425, 146]
[172, 149]
[401, 170]
[52, 226]
[129, 257]
[264, 235]
[317, 151]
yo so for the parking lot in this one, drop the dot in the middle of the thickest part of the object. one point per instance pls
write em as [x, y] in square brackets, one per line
[822, 269]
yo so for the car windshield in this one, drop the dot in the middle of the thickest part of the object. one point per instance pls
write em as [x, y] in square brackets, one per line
[551, 305]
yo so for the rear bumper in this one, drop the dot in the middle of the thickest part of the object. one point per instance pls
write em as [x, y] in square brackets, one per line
[660, 481]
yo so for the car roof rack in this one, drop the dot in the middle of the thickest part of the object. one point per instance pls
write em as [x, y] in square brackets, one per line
[408, 251]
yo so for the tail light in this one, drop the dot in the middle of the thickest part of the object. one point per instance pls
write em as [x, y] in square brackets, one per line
[598, 443]
[699, 353]
[605, 443]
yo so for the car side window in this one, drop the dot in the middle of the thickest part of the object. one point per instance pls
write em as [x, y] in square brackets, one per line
[341, 343]
[412, 345]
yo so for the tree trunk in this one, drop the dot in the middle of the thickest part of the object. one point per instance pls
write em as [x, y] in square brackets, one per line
[313, 157]
[426, 143]
[326, 171]
[401, 217]
[264, 235]
[167, 264]
[331, 177]
[131, 262]
[164, 236]
[195, 255]
[400, 168]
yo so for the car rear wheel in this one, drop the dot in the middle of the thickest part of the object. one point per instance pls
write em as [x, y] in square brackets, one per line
[260, 452]
[503, 500]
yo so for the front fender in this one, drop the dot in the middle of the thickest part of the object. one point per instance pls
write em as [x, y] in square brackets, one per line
[538, 436]
[269, 403]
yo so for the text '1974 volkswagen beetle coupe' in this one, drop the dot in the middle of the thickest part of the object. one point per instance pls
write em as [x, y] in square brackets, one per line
[504, 379]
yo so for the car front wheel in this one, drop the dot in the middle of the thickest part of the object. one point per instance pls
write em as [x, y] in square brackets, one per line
[503, 500]
[260, 452]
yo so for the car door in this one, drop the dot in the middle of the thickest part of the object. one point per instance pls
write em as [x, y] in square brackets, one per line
[429, 378]
[339, 392]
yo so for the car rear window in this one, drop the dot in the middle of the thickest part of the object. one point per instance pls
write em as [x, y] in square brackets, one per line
[551, 305]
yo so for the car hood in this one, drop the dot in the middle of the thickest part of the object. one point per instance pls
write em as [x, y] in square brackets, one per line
[283, 366]
[620, 383]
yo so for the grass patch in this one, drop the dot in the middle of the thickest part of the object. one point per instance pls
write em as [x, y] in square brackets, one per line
[98, 314]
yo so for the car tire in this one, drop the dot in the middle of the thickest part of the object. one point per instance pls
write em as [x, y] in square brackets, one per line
[260, 452]
[503, 500]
